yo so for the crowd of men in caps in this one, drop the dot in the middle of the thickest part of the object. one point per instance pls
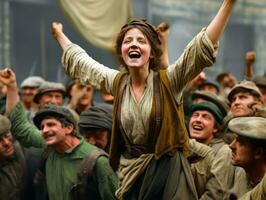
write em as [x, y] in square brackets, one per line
[225, 121]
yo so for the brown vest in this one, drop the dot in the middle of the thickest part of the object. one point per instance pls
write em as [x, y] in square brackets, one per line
[172, 133]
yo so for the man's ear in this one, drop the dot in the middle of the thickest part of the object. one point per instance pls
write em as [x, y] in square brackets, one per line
[70, 128]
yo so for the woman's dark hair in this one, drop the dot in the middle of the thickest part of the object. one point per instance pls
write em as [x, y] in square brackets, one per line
[149, 31]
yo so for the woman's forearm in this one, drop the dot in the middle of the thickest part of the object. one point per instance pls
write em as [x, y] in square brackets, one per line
[219, 22]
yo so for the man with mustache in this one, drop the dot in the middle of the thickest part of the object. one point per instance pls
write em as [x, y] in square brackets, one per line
[66, 150]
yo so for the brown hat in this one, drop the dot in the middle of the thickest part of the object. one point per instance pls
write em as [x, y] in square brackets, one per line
[251, 127]
[5, 125]
[49, 87]
[246, 85]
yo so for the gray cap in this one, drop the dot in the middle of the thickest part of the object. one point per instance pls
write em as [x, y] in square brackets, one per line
[56, 111]
[246, 85]
[251, 127]
[5, 125]
[97, 117]
[32, 81]
[49, 87]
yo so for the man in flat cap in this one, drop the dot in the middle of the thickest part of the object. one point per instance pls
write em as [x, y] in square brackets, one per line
[249, 149]
[96, 125]
[205, 126]
[242, 96]
[29, 88]
[50, 92]
[12, 164]
[63, 167]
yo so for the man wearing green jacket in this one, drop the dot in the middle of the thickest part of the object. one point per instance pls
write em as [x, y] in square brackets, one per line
[67, 149]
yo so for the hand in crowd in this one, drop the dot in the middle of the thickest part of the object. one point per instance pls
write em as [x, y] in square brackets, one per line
[250, 57]
[8, 77]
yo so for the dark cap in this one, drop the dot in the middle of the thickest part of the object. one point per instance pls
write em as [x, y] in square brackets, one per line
[49, 87]
[97, 117]
[251, 127]
[68, 84]
[207, 96]
[210, 107]
[54, 111]
[249, 86]
[208, 82]
[5, 125]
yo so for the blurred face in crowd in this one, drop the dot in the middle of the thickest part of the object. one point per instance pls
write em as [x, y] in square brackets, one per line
[240, 103]
[51, 97]
[228, 81]
[243, 154]
[54, 132]
[210, 89]
[84, 93]
[99, 139]
[27, 95]
[202, 126]
[6, 146]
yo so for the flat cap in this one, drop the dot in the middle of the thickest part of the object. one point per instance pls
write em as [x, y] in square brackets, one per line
[251, 127]
[207, 96]
[49, 87]
[246, 85]
[210, 107]
[97, 117]
[32, 81]
[5, 125]
[56, 111]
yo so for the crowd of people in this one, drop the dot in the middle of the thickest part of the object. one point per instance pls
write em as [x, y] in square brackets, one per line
[164, 131]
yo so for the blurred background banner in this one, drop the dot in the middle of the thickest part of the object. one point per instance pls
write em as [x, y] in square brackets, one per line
[98, 21]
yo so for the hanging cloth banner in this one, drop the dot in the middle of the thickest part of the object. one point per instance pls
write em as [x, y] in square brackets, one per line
[98, 21]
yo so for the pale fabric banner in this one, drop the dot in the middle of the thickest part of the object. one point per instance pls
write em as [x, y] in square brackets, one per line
[98, 21]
